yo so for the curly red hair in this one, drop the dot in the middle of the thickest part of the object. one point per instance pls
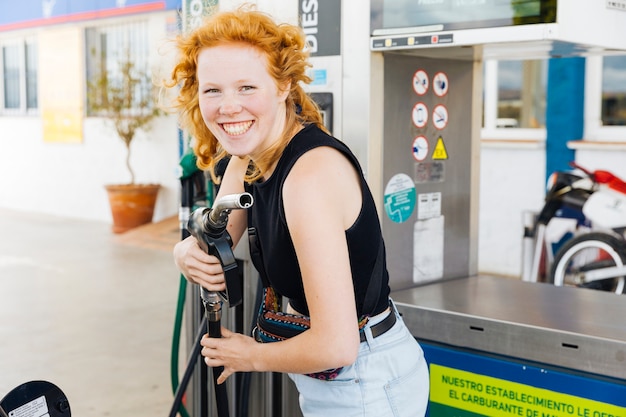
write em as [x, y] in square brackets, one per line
[284, 47]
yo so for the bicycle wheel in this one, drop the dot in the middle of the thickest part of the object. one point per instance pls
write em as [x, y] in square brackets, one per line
[588, 252]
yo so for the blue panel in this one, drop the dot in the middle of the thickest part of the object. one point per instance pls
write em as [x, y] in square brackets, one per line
[592, 387]
[564, 111]
[37, 11]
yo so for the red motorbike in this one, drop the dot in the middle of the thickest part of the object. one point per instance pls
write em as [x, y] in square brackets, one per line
[593, 252]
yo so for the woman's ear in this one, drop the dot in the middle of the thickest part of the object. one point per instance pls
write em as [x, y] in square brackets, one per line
[284, 90]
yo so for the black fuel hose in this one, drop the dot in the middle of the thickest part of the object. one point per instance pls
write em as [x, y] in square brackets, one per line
[193, 357]
[243, 403]
[221, 395]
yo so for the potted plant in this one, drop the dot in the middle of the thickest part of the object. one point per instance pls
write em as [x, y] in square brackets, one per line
[126, 98]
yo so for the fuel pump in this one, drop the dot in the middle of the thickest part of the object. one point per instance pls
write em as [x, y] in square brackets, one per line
[208, 226]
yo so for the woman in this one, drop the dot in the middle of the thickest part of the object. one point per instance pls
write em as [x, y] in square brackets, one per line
[240, 77]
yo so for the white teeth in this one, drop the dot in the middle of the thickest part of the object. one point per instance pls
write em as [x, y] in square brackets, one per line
[237, 128]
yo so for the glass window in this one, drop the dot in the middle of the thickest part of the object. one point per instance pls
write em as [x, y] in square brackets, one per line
[11, 68]
[614, 91]
[521, 94]
[109, 49]
[31, 75]
[514, 99]
[19, 72]
[605, 98]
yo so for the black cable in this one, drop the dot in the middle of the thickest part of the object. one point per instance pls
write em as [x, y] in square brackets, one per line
[221, 395]
[193, 357]
[243, 406]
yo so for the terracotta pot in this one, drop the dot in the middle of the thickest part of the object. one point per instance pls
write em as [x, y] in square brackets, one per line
[131, 204]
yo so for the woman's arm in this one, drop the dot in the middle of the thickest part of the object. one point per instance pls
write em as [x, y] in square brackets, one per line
[197, 265]
[322, 199]
[232, 183]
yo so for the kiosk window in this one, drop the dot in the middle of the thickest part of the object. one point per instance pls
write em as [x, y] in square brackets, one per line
[614, 91]
[605, 98]
[515, 94]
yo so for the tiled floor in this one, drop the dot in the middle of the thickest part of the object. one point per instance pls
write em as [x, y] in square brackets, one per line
[89, 311]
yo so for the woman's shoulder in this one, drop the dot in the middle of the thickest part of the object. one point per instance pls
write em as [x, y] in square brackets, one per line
[311, 137]
[311, 133]
[320, 154]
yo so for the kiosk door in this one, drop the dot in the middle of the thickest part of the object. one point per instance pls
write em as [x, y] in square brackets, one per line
[429, 163]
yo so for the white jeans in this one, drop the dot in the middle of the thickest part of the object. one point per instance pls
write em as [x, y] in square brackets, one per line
[389, 378]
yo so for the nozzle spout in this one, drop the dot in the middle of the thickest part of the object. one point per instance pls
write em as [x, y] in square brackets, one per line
[224, 205]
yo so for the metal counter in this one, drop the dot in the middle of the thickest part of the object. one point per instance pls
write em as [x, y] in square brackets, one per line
[573, 328]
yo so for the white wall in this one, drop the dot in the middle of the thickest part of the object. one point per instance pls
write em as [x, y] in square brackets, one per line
[512, 180]
[67, 179]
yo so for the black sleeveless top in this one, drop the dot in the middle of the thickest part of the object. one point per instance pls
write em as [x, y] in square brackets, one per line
[278, 262]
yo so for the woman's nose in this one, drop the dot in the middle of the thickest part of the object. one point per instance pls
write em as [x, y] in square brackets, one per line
[229, 105]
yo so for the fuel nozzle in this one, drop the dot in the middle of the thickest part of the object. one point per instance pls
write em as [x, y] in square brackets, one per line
[208, 226]
[213, 221]
[218, 216]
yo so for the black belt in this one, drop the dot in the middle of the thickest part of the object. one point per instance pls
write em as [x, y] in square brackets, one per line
[382, 326]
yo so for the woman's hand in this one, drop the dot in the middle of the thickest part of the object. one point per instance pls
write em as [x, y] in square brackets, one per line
[233, 351]
[198, 266]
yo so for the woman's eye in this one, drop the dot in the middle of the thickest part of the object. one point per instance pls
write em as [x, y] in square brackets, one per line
[247, 88]
[211, 91]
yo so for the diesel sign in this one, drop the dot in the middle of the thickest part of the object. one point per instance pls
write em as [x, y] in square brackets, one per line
[321, 22]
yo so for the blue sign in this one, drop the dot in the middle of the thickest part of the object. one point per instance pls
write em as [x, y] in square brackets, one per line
[473, 384]
[319, 77]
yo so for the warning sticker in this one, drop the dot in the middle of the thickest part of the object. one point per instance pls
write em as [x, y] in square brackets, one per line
[399, 198]
[430, 172]
[453, 390]
[420, 115]
[440, 84]
[440, 116]
[420, 148]
[429, 205]
[36, 408]
[420, 82]
[440, 151]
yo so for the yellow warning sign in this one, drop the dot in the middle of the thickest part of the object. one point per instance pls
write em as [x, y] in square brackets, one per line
[440, 150]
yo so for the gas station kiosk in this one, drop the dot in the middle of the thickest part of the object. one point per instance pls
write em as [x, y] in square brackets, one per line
[495, 346]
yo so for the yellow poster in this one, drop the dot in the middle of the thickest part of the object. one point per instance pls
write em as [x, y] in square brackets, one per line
[61, 82]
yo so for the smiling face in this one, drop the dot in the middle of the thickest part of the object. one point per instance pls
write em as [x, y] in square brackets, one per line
[239, 100]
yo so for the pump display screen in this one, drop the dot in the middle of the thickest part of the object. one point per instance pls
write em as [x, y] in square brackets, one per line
[397, 16]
